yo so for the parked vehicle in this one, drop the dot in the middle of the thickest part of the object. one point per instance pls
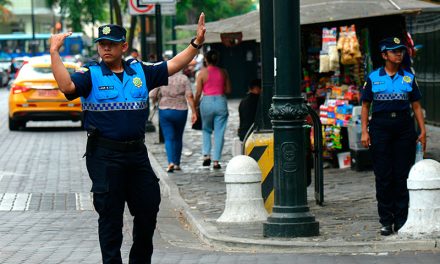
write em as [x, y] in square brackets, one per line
[5, 63]
[34, 95]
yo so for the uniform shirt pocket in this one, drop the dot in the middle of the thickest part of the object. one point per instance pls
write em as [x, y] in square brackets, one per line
[106, 93]
[140, 92]
[405, 87]
[378, 86]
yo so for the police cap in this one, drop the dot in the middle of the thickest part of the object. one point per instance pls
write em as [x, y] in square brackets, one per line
[111, 32]
[391, 43]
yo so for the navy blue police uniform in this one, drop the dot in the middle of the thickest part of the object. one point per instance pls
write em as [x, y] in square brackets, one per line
[115, 112]
[392, 136]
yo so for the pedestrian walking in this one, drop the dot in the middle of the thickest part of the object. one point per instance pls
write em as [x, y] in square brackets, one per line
[114, 97]
[213, 82]
[391, 92]
[173, 100]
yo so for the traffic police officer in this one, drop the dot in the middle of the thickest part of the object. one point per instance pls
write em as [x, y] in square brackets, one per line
[114, 97]
[390, 133]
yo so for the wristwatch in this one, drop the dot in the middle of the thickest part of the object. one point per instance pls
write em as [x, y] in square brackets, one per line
[195, 45]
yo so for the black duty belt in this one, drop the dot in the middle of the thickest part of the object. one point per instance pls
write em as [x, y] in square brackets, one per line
[395, 114]
[116, 145]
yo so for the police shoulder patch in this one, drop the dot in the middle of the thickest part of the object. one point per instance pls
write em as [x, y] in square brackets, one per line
[407, 79]
[82, 70]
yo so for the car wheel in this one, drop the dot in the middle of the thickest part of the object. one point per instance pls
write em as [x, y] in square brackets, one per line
[15, 125]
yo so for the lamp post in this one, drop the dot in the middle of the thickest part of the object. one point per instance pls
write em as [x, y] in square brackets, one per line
[267, 54]
[110, 2]
[33, 19]
[290, 216]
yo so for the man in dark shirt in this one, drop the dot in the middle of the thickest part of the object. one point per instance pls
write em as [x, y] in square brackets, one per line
[248, 108]
[114, 95]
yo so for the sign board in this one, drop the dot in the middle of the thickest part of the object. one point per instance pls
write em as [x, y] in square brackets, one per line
[147, 2]
[135, 9]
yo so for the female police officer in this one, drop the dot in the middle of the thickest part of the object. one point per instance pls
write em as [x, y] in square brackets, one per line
[114, 97]
[390, 133]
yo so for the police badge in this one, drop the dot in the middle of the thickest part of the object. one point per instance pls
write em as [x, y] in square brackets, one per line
[137, 82]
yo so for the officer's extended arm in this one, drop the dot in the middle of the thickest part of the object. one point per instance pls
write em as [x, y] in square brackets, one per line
[187, 55]
[60, 72]
[365, 138]
[418, 114]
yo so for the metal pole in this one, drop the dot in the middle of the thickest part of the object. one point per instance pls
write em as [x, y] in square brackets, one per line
[143, 38]
[111, 11]
[33, 19]
[149, 127]
[267, 54]
[173, 34]
[33, 46]
[290, 216]
[158, 33]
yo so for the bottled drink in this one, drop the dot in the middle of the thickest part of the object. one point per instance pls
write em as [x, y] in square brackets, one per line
[419, 152]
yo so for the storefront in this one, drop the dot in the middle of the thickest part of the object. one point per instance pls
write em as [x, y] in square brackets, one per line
[339, 49]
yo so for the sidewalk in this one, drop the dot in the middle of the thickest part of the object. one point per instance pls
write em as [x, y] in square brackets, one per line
[348, 221]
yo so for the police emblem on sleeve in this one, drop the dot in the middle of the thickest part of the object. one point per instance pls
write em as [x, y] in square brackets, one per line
[137, 82]
[407, 79]
[396, 40]
[81, 70]
[106, 30]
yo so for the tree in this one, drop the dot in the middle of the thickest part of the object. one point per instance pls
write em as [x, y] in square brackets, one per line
[188, 11]
[5, 14]
[82, 12]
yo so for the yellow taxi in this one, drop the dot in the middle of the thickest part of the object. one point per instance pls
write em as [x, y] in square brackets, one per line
[34, 96]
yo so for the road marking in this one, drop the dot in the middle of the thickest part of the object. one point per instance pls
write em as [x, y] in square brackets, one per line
[22, 201]
[84, 201]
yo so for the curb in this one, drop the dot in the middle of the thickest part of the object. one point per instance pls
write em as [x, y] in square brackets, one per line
[209, 234]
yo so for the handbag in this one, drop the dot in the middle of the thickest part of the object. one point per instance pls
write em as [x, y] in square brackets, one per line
[198, 124]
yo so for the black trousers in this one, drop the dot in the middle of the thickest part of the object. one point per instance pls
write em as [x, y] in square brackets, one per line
[393, 143]
[120, 176]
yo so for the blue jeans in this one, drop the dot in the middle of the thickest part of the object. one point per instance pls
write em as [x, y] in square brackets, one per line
[214, 111]
[173, 123]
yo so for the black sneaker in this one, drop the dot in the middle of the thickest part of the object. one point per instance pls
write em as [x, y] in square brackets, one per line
[207, 162]
[386, 230]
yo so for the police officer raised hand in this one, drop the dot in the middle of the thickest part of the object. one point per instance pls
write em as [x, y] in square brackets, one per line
[187, 55]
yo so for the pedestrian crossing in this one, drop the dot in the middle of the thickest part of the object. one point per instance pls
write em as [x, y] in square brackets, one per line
[46, 202]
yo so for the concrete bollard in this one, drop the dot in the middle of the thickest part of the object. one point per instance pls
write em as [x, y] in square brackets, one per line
[244, 202]
[424, 200]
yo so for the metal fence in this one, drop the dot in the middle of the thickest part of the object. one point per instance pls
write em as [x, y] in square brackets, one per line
[425, 30]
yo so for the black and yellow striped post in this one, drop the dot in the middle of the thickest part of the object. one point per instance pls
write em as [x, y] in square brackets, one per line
[259, 146]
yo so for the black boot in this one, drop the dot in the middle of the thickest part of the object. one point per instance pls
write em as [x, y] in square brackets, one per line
[386, 230]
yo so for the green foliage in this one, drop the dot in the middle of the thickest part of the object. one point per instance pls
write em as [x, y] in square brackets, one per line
[188, 11]
[5, 13]
[80, 12]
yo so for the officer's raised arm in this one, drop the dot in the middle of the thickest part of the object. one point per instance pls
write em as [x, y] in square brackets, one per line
[60, 72]
[183, 58]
